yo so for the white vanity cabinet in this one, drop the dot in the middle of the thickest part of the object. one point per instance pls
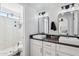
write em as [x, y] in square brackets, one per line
[35, 48]
[48, 49]
[43, 48]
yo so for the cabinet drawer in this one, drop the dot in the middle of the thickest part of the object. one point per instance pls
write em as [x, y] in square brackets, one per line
[68, 49]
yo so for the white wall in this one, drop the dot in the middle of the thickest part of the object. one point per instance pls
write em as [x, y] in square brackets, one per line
[51, 8]
[31, 24]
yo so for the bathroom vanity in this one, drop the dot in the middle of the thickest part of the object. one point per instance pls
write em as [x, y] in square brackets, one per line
[54, 45]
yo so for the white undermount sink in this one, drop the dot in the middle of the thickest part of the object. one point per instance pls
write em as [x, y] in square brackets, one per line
[39, 36]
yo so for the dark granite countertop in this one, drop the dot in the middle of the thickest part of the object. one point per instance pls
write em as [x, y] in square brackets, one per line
[51, 40]
[55, 35]
[57, 42]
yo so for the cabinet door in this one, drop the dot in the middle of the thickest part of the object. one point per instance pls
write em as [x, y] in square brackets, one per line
[47, 52]
[72, 51]
[35, 47]
[53, 49]
[36, 50]
[48, 49]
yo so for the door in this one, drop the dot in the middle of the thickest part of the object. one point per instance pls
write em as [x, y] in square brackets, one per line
[2, 33]
[9, 34]
[13, 34]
